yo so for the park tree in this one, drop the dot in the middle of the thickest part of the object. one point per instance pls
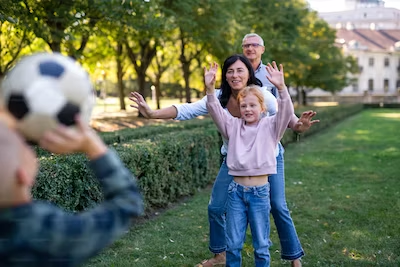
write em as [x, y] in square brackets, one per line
[13, 40]
[107, 56]
[277, 22]
[321, 63]
[14, 37]
[120, 75]
[202, 29]
[65, 26]
[162, 61]
[145, 26]
[128, 36]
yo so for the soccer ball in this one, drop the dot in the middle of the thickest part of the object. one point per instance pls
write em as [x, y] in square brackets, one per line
[44, 90]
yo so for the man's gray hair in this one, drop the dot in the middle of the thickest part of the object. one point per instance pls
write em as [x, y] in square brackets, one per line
[253, 35]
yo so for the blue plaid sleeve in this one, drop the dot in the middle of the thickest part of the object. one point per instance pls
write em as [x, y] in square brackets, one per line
[72, 238]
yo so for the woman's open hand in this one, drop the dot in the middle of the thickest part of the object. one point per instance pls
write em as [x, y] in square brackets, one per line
[141, 105]
[210, 77]
[277, 76]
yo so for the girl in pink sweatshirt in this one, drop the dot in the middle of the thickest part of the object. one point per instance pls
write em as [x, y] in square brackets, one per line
[251, 158]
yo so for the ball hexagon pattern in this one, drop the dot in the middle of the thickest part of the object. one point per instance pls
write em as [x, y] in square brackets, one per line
[44, 90]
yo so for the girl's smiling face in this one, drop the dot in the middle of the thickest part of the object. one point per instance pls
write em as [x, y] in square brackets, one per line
[250, 108]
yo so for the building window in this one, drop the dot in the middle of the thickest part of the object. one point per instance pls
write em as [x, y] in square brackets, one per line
[398, 86]
[386, 62]
[386, 85]
[372, 26]
[349, 26]
[355, 87]
[370, 85]
[371, 61]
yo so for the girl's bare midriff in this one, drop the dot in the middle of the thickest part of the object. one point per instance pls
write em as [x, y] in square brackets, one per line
[251, 180]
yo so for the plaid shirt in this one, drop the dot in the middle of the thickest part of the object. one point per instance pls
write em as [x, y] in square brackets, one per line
[41, 234]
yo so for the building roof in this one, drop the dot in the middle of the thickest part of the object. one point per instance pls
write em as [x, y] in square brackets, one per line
[364, 18]
[369, 40]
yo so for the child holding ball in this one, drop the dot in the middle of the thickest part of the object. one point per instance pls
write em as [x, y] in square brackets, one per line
[251, 158]
[34, 233]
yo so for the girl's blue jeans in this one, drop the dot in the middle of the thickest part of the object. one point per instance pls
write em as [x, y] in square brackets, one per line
[247, 206]
[290, 245]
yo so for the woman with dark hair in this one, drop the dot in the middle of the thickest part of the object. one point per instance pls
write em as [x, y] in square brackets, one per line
[237, 73]
[226, 90]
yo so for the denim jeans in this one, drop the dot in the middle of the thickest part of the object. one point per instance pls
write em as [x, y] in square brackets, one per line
[217, 209]
[290, 245]
[247, 205]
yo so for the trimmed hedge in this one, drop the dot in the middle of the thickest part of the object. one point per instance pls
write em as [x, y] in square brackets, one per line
[168, 166]
[125, 135]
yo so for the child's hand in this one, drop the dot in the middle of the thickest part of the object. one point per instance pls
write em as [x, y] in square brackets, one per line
[277, 76]
[64, 140]
[6, 118]
[210, 77]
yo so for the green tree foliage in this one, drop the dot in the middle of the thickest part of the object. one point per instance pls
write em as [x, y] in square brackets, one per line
[64, 25]
[319, 62]
[13, 39]
[142, 39]
[277, 22]
[145, 25]
[201, 29]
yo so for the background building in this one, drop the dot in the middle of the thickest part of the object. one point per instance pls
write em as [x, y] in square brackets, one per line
[371, 33]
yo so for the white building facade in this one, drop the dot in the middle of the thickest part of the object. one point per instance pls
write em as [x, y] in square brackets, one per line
[371, 34]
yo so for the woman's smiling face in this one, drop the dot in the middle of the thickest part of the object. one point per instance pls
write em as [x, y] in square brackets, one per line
[237, 75]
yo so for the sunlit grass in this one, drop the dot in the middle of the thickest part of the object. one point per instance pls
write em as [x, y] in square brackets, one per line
[111, 105]
[388, 115]
[325, 104]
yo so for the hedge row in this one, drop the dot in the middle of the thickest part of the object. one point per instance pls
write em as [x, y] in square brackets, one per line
[128, 134]
[125, 135]
[170, 161]
[168, 166]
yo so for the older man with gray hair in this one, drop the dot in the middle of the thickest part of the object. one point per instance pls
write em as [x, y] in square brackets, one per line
[253, 48]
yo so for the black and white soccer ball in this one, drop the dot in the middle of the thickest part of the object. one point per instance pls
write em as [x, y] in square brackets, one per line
[44, 90]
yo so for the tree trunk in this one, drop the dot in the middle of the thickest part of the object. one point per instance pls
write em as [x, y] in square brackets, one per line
[185, 68]
[180, 96]
[145, 55]
[55, 46]
[298, 95]
[304, 96]
[157, 86]
[120, 74]
[186, 75]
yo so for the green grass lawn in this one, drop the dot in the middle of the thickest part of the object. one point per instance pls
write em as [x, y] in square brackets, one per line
[342, 187]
